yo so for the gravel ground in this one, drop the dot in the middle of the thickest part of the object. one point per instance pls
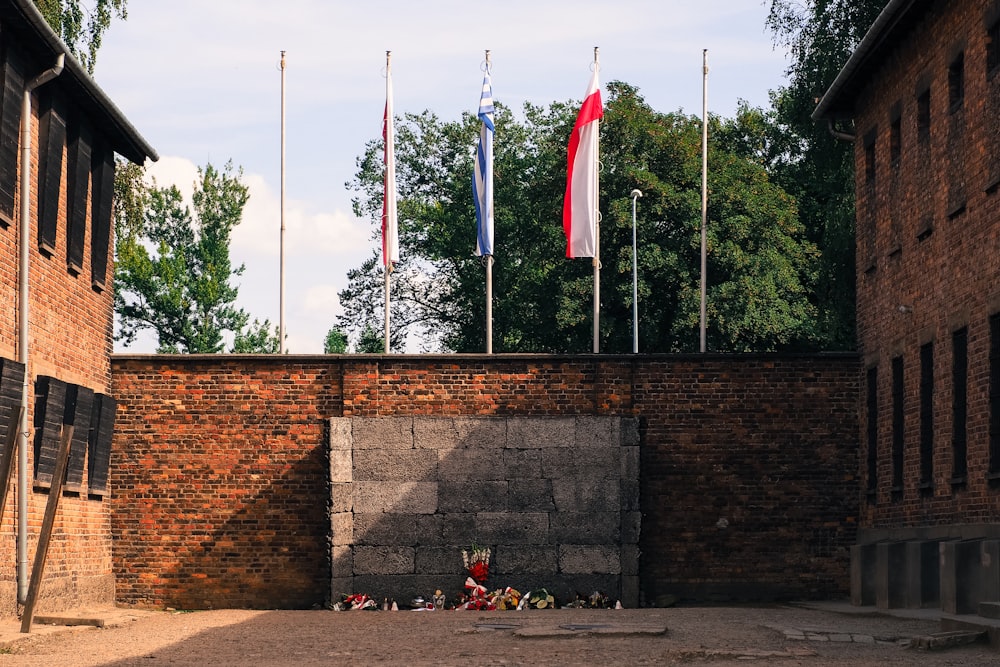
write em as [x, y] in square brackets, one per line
[785, 635]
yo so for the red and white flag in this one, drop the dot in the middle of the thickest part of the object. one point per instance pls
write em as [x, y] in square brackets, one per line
[390, 238]
[580, 207]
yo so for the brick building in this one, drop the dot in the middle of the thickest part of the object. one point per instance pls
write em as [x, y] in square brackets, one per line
[923, 93]
[56, 249]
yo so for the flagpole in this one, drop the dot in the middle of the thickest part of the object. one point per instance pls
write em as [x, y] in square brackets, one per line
[281, 299]
[597, 232]
[704, 192]
[489, 265]
[387, 262]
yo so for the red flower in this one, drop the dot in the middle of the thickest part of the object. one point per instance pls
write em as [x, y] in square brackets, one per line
[479, 571]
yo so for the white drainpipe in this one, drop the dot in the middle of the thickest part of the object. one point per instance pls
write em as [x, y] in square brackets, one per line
[22, 337]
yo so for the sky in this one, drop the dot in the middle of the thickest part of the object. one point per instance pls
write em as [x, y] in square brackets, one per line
[201, 81]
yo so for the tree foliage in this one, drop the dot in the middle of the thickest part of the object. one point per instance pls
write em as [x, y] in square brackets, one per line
[173, 272]
[335, 342]
[761, 268]
[82, 25]
[813, 166]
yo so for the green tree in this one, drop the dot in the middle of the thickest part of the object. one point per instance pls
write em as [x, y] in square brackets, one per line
[761, 267]
[173, 276]
[809, 163]
[82, 25]
[335, 342]
[259, 338]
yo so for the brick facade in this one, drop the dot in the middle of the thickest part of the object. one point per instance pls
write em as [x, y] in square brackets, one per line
[70, 307]
[934, 268]
[923, 92]
[748, 486]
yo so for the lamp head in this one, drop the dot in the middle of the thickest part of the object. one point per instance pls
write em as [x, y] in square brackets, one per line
[635, 193]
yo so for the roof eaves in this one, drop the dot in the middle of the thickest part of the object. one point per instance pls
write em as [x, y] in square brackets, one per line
[126, 140]
[831, 105]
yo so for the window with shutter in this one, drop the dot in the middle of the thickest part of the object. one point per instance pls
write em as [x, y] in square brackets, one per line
[51, 139]
[12, 92]
[103, 179]
[79, 407]
[102, 426]
[77, 184]
[50, 407]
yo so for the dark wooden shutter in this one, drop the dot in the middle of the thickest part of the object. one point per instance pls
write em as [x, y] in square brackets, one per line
[12, 92]
[103, 185]
[51, 140]
[77, 184]
[102, 426]
[79, 405]
[50, 408]
[11, 385]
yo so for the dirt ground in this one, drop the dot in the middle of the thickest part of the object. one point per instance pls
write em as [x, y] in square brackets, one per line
[785, 635]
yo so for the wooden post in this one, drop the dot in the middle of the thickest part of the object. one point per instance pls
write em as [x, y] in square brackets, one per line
[55, 493]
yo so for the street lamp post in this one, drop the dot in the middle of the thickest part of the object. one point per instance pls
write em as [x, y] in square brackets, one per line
[635, 194]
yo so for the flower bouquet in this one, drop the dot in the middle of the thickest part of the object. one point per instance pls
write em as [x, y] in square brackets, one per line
[477, 563]
[540, 599]
[506, 598]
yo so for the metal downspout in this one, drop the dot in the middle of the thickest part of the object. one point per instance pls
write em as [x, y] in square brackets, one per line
[22, 337]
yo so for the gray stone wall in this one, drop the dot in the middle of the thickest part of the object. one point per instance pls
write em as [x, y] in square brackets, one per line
[555, 498]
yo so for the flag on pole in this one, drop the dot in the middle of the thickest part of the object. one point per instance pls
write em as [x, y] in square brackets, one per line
[482, 177]
[580, 206]
[390, 238]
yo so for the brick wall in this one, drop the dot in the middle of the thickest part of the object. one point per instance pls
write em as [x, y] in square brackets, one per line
[748, 464]
[935, 267]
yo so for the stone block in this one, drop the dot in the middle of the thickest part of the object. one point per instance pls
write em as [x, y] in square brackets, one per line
[890, 571]
[630, 499]
[574, 494]
[340, 433]
[383, 560]
[522, 463]
[630, 432]
[589, 559]
[630, 591]
[341, 466]
[630, 559]
[922, 571]
[960, 576]
[343, 562]
[341, 497]
[439, 560]
[341, 528]
[412, 465]
[341, 586]
[629, 458]
[382, 432]
[559, 463]
[459, 432]
[471, 496]
[631, 527]
[396, 497]
[596, 431]
[540, 432]
[519, 559]
[512, 528]
[458, 528]
[863, 575]
[530, 495]
[990, 562]
[396, 529]
[471, 464]
[585, 527]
